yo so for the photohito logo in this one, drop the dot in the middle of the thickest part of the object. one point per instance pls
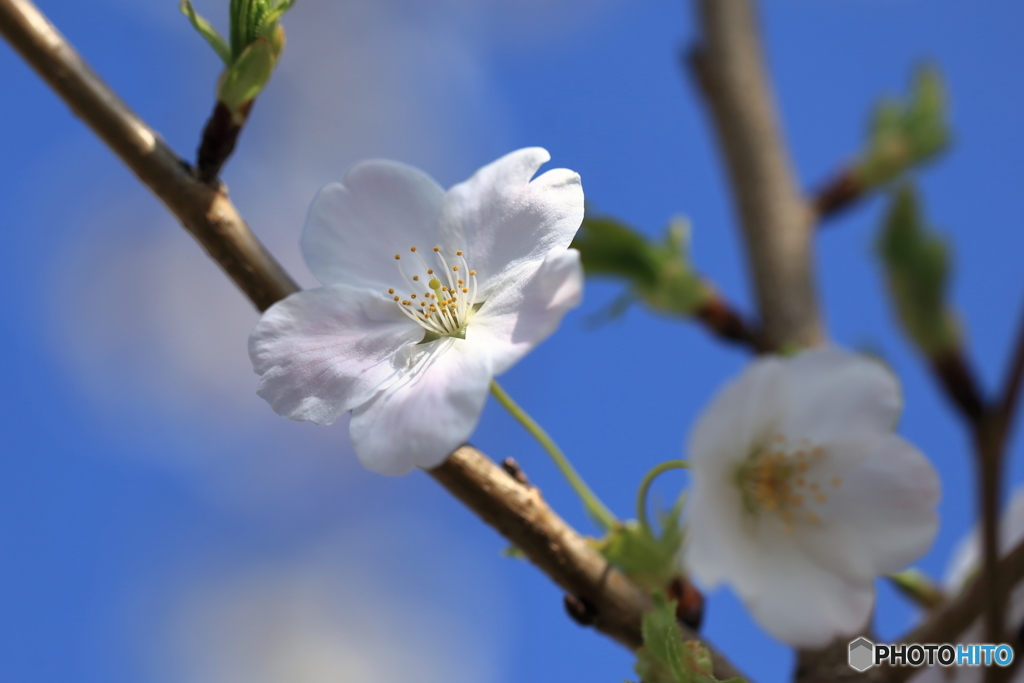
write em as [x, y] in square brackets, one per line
[864, 654]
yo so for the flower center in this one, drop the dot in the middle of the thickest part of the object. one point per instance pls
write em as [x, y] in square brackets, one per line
[778, 477]
[441, 300]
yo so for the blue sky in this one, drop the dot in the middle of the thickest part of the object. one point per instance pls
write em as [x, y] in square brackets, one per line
[160, 522]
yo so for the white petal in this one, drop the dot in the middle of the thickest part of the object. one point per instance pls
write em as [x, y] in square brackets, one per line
[528, 307]
[802, 604]
[355, 228]
[721, 539]
[791, 596]
[834, 395]
[427, 413]
[324, 351]
[741, 415]
[502, 220]
[880, 518]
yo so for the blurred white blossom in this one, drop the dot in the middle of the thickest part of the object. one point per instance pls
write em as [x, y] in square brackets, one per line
[802, 494]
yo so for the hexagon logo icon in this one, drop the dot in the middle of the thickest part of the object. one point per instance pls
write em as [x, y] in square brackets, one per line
[862, 654]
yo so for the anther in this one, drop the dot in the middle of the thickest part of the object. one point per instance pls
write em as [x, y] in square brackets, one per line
[472, 272]
[398, 257]
[430, 271]
[465, 290]
[412, 249]
[458, 253]
[397, 297]
[455, 268]
[821, 497]
[391, 290]
[416, 278]
[437, 249]
[836, 481]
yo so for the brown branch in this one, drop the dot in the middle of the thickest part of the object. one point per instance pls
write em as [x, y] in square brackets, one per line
[956, 375]
[218, 142]
[838, 194]
[729, 69]
[1012, 385]
[515, 509]
[726, 323]
[600, 594]
[947, 623]
[204, 211]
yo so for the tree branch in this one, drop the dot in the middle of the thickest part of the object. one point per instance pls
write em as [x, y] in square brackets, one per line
[205, 212]
[957, 615]
[519, 513]
[728, 66]
[514, 509]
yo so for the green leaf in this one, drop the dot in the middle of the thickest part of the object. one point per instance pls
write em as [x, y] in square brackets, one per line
[661, 631]
[274, 14]
[247, 76]
[657, 273]
[905, 133]
[650, 562]
[916, 262]
[201, 25]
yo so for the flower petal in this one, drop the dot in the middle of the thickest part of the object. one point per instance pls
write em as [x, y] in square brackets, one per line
[324, 351]
[834, 395]
[791, 596]
[355, 228]
[803, 604]
[503, 220]
[428, 412]
[740, 416]
[528, 307]
[881, 515]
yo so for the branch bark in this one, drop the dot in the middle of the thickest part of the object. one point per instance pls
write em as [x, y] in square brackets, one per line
[729, 69]
[521, 515]
[513, 508]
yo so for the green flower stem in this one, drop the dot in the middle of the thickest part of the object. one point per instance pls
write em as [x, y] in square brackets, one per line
[597, 510]
[645, 486]
[918, 587]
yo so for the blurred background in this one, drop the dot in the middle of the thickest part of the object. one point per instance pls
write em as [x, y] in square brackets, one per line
[158, 522]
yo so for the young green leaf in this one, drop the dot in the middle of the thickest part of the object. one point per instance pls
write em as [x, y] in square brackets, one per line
[916, 262]
[202, 26]
[657, 273]
[905, 133]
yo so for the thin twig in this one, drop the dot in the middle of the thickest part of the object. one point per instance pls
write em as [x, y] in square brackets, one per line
[514, 509]
[725, 322]
[728, 66]
[205, 212]
[1014, 379]
[838, 194]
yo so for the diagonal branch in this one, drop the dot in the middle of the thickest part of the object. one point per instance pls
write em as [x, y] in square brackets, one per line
[515, 510]
[521, 515]
[205, 212]
[729, 69]
[956, 616]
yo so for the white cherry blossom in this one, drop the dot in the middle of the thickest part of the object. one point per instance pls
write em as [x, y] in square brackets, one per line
[427, 296]
[802, 494]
